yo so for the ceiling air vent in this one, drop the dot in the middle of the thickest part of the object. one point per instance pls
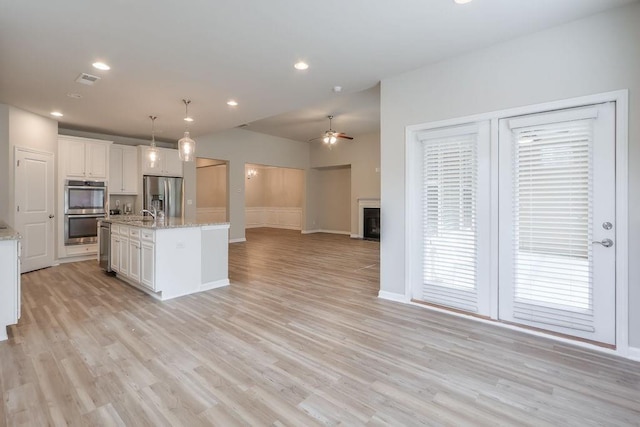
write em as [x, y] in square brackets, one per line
[87, 79]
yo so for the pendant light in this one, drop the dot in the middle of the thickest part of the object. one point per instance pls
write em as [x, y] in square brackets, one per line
[186, 145]
[152, 152]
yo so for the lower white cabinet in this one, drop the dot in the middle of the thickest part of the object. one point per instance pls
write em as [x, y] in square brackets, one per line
[133, 254]
[115, 251]
[9, 284]
[124, 255]
[147, 265]
[134, 260]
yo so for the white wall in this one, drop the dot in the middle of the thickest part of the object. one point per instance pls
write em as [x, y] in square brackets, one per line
[23, 129]
[363, 154]
[333, 196]
[240, 146]
[593, 55]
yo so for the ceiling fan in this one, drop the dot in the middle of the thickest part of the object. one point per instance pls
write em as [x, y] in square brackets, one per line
[330, 137]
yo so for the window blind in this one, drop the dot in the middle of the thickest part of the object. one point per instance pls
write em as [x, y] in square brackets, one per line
[552, 229]
[449, 193]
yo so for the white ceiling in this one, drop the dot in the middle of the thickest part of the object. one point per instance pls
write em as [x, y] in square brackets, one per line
[210, 51]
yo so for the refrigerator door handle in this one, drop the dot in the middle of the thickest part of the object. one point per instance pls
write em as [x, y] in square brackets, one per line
[167, 199]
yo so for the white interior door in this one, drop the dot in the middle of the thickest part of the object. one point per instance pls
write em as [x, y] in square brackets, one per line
[34, 202]
[557, 228]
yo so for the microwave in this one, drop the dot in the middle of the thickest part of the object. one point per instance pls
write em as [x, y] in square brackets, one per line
[84, 197]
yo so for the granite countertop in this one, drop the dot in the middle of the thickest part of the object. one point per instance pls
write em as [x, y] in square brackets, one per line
[8, 233]
[148, 222]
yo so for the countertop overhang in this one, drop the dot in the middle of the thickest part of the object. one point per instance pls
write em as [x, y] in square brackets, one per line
[159, 224]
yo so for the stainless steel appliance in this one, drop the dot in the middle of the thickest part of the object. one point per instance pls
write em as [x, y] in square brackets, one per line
[84, 205]
[84, 197]
[164, 194]
[81, 229]
[104, 250]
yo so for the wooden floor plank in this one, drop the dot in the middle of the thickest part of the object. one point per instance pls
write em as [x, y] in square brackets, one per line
[299, 338]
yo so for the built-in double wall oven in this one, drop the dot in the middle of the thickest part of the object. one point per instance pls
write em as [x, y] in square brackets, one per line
[84, 205]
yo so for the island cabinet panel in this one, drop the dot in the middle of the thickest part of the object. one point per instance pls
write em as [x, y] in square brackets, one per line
[147, 265]
[134, 259]
[170, 258]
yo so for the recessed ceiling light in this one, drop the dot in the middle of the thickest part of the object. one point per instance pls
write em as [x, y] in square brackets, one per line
[188, 119]
[462, 1]
[74, 95]
[101, 66]
[301, 65]
[57, 114]
[232, 103]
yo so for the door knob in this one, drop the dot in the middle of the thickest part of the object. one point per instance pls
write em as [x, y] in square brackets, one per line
[51, 216]
[607, 243]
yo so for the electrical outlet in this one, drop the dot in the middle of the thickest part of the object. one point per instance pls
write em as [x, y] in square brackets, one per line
[189, 202]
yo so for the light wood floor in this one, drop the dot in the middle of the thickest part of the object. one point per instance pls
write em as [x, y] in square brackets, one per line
[299, 338]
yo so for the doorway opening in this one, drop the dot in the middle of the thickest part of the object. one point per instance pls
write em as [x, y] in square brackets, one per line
[212, 195]
[273, 197]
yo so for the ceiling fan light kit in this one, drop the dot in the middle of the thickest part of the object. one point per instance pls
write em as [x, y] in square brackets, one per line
[331, 137]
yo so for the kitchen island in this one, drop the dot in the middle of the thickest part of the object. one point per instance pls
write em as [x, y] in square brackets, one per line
[169, 258]
[9, 278]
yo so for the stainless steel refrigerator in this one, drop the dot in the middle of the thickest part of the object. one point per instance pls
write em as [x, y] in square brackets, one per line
[165, 193]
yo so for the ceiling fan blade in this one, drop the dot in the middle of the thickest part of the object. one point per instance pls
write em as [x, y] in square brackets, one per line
[315, 139]
[343, 136]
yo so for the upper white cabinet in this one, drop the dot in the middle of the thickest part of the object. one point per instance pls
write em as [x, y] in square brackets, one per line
[83, 157]
[123, 170]
[168, 164]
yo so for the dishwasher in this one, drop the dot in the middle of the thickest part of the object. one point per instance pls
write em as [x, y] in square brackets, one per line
[104, 250]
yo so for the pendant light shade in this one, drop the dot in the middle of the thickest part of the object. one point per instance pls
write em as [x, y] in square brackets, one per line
[152, 152]
[186, 145]
[187, 148]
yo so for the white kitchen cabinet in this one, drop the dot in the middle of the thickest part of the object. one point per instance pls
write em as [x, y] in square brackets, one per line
[124, 251]
[115, 252]
[9, 284]
[168, 164]
[83, 157]
[123, 170]
[147, 264]
[134, 254]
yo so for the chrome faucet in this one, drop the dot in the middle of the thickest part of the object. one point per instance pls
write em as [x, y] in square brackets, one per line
[153, 214]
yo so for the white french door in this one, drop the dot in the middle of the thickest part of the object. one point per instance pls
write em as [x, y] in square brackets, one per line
[557, 221]
[454, 209]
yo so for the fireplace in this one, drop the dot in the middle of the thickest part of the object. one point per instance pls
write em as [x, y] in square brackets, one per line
[371, 224]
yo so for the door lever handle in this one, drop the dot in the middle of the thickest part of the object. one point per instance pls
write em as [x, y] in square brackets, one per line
[51, 216]
[607, 243]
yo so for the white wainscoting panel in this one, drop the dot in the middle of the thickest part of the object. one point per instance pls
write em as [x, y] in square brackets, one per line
[289, 218]
[211, 214]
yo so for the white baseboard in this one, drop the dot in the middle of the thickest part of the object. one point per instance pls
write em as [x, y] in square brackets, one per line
[213, 285]
[309, 231]
[76, 259]
[356, 236]
[346, 233]
[392, 296]
[239, 240]
[634, 353]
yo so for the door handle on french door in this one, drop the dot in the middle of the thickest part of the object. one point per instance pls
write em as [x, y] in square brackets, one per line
[51, 216]
[607, 243]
